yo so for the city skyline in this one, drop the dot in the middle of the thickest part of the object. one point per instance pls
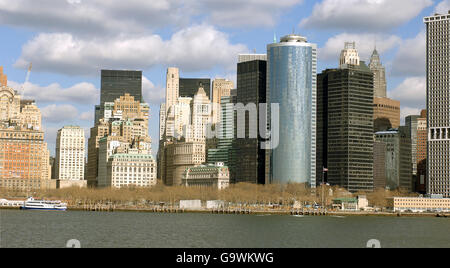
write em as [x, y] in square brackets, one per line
[71, 78]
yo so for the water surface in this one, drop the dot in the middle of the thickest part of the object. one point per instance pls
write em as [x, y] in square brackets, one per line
[149, 230]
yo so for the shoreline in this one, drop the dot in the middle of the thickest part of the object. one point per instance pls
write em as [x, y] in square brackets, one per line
[259, 213]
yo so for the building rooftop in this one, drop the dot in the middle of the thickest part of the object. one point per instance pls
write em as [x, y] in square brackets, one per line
[293, 38]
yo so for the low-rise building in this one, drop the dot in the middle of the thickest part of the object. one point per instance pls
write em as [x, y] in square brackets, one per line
[216, 176]
[131, 169]
[419, 204]
[351, 203]
[346, 204]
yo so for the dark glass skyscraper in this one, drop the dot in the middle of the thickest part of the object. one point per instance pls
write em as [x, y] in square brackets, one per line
[250, 164]
[345, 126]
[189, 86]
[116, 83]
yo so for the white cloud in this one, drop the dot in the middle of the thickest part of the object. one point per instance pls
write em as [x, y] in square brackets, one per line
[364, 15]
[87, 116]
[154, 95]
[412, 92]
[200, 47]
[91, 17]
[411, 57]
[59, 113]
[96, 17]
[81, 93]
[365, 44]
[236, 13]
[443, 7]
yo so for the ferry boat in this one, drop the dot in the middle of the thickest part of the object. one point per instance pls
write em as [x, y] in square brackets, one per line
[32, 204]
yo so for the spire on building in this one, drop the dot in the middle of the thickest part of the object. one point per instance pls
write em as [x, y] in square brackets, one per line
[379, 72]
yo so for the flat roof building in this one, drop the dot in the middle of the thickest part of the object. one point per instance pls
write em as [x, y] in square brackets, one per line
[419, 204]
[438, 103]
[214, 176]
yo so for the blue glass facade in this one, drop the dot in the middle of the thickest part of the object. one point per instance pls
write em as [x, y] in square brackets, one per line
[292, 69]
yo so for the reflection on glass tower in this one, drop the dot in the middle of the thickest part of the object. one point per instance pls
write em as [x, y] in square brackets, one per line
[292, 69]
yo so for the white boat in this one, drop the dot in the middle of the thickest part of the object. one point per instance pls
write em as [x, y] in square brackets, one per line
[32, 204]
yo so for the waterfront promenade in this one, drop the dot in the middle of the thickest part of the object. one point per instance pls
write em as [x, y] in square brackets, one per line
[241, 211]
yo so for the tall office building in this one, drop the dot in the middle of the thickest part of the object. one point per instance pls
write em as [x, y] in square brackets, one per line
[162, 121]
[386, 111]
[127, 121]
[379, 165]
[386, 114]
[291, 83]
[421, 153]
[3, 78]
[379, 75]
[412, 125]
[438, 103]
[221, 88]
[345, 126]
[24, 157]
[201, 116]
[422, 137]
[251, 90]
[70, 156]
[398, 158]
[116, 83]
[251, 57]
[189, 86]
[349, 55]
[172, 87]
[225, 134]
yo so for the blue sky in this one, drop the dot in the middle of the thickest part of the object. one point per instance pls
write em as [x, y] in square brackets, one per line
[69, 41]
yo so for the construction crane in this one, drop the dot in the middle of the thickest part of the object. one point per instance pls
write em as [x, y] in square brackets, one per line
[27, 79]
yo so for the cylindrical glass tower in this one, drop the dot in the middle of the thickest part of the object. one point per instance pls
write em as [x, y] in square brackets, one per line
[291, 74]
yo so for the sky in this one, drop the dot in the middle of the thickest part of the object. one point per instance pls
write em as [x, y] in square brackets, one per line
[70, 41]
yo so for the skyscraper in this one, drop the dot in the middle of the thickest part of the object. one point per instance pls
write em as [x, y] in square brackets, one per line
[345, 126]
[70, 156]
[412, 125]
[386, 111]
[24, 157]
[379, 75]
[421, 153]
[189, 86]
[172, 87]
[438, 103]
[291, 83]
[117, 83]
[221, 88]
[251, 89]
[398, 158]
[201, 115]
[225, 134]
[127, 122]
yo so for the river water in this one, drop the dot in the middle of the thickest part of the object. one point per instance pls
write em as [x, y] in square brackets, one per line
[149, 230]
